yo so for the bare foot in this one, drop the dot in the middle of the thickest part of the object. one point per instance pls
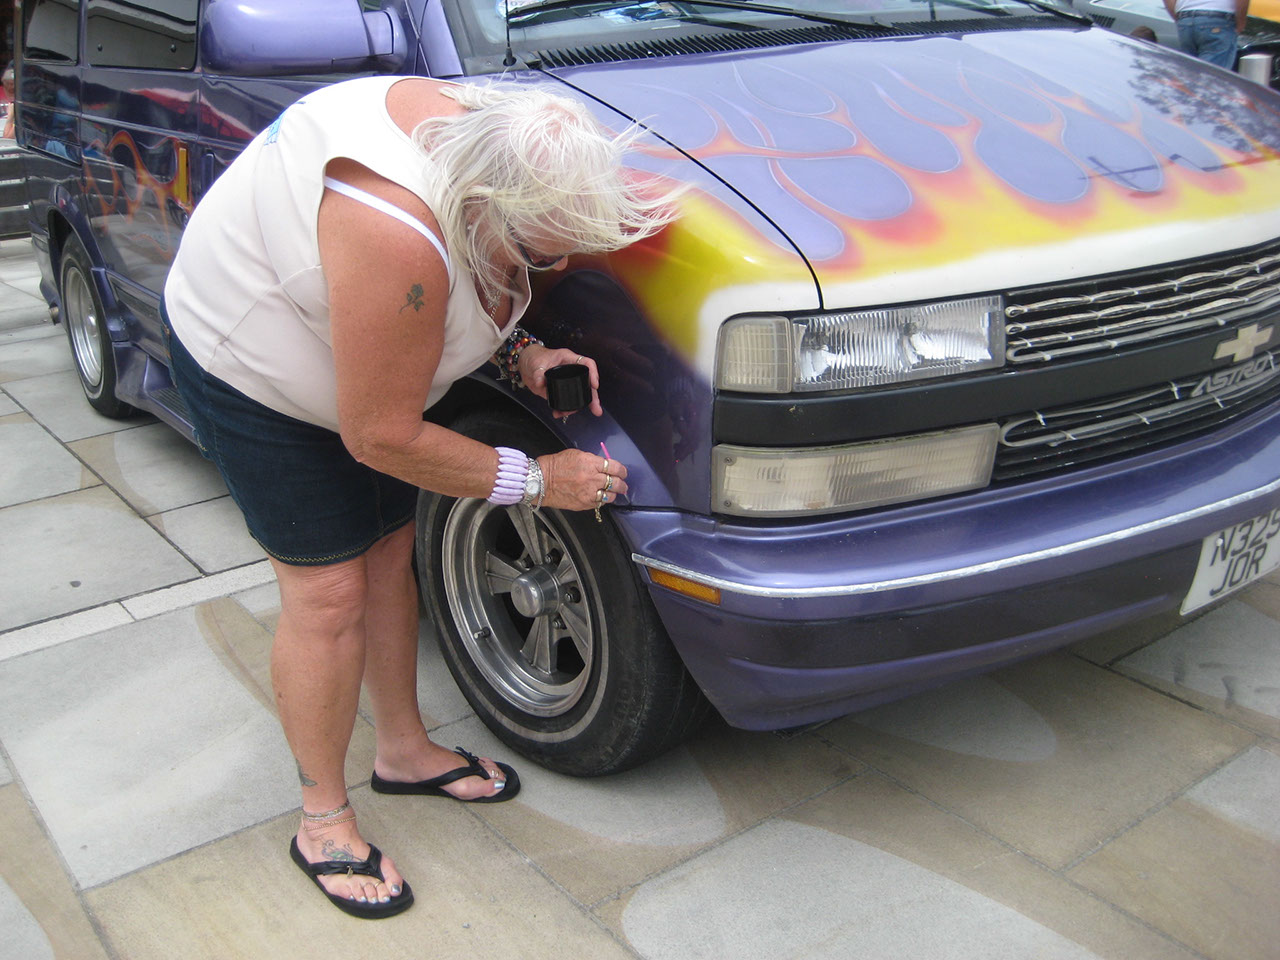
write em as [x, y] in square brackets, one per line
[341, 841]
[429, 760]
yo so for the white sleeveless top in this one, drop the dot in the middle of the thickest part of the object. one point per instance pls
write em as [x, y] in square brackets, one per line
[246, 294]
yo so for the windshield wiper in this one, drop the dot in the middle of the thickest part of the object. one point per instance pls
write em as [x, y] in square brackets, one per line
[1053, 8]
[546, 6]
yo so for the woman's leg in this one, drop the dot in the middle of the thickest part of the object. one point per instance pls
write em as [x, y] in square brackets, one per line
[316, 664]
[405, 752]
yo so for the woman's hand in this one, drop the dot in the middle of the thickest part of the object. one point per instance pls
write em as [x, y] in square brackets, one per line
[536, 360]
[575, 480]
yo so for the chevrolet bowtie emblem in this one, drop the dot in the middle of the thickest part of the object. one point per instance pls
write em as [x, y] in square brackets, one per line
[1244, 344]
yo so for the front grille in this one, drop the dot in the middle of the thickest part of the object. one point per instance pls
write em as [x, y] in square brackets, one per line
[1041, 442]
[1109, 314]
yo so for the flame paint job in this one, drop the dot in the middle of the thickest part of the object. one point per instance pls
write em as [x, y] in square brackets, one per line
[933, 167]
[128, 186]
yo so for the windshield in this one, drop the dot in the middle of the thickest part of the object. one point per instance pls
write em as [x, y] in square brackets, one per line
[551, 25]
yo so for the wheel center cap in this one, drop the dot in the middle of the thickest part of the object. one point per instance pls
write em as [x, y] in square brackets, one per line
[535, 592]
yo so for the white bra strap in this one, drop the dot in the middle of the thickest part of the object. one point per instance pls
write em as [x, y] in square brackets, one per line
[391, 210]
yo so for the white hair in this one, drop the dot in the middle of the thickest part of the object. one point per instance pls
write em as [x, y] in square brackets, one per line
[527, 161]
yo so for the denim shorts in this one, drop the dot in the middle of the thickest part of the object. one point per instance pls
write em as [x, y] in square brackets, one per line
[304, 497]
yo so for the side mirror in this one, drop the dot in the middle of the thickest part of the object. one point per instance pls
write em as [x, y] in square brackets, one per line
[260, 38]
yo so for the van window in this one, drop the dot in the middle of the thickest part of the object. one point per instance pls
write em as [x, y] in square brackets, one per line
[156, 34]
[50, 29]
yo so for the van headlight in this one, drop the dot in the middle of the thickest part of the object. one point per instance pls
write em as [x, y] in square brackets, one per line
[790, 482]
[863, 348]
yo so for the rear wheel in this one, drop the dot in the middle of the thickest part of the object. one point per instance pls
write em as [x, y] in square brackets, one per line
[85, 322]
[547, 629]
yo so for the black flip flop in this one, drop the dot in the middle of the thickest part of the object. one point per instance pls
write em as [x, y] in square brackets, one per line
[371, 867]
[433, 787]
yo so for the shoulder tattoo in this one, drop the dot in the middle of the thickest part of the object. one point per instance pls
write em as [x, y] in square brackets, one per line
[413, 298]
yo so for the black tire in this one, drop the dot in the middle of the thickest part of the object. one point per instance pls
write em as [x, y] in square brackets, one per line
[585, 681]
[85, 322]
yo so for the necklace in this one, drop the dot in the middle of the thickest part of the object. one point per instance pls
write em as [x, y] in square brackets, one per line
[492, 299]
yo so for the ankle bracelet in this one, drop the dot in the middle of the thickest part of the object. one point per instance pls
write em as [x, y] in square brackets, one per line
[324, 825]
[327, 814]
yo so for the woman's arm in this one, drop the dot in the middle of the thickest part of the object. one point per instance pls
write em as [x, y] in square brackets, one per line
[388, 289]
[388, 292]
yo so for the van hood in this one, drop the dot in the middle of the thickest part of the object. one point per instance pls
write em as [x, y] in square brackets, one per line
[898, 170]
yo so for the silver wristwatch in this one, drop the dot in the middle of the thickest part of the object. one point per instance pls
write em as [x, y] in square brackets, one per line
[534, 490]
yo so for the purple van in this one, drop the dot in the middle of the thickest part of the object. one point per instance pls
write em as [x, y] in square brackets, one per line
[964, 349]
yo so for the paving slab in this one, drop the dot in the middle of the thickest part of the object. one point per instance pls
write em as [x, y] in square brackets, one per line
[1053, 756]
[20, 266]
[19, 309]
[597, 837]
[8, 406]
[22, 932]
[211, 533]
[263, 602]
[872, 871]
[72, 626]
[76, 551]
[30, 285]
[34, 465]
[24, 359]
[152, 467]
[58, 402]
[147, 740]
[40, 914]
[242, 648]
[25, 331]
[1265, 596]
[6, 777]
[202, 590]
[1227, 662]
[475, 896]
[1207, 867]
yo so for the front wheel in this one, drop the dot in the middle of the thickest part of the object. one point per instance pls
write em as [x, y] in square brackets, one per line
[547, 629]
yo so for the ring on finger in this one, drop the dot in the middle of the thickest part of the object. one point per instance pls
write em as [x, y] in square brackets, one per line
[600, 495]
[608, 484]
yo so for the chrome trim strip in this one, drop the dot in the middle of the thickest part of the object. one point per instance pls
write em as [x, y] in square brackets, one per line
[1160, 286]
[941, 576]
[1118, 316]
[1172, 401]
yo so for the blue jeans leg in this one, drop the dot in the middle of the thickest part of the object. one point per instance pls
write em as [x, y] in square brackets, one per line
[1212, 39]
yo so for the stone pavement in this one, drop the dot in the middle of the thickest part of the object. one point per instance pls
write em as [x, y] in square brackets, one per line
[1116, 800]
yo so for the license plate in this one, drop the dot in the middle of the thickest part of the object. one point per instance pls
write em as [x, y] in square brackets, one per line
[1234, 558]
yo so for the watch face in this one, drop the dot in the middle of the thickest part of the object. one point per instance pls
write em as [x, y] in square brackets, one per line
[533, 483]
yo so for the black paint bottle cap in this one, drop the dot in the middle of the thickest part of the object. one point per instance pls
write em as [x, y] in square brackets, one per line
[569, 387]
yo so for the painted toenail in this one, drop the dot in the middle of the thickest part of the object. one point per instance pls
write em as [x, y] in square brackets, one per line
[395, 891]
[499, 785]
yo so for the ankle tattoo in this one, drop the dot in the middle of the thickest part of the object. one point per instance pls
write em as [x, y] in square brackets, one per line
[312, 825]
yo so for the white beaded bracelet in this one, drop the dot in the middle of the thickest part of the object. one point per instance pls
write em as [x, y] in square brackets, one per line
[513, 470]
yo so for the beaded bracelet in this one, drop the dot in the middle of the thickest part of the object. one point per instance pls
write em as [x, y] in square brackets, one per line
[513, 470]
[507, 356]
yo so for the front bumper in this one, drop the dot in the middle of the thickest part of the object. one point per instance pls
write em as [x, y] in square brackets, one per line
[819, 619]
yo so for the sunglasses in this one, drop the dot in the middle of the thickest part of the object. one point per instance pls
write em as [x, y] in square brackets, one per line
[532, 262]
